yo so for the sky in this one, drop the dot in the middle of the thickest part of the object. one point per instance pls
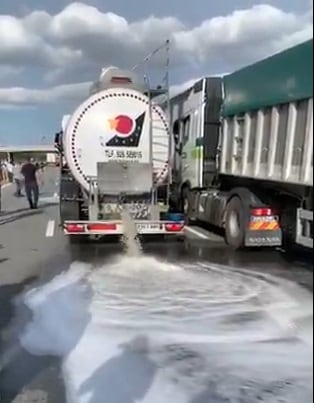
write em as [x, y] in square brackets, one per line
[51, 50]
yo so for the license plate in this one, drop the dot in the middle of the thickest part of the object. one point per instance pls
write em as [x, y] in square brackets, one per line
[148, 227]
[263, 219]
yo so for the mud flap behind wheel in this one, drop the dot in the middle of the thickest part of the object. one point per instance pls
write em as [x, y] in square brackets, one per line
[69, 210]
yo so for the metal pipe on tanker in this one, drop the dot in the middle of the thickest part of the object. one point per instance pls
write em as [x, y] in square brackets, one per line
[168, 113]
[150, 112]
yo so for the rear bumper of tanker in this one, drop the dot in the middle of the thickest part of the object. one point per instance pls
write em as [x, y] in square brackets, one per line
[103, 228]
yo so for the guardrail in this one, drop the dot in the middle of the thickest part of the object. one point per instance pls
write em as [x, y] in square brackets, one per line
[304, 235]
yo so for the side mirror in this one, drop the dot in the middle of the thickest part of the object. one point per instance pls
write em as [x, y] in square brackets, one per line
[57, 137]
[58, 141]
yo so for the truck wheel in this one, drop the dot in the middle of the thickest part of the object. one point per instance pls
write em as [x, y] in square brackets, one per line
[288, 224]
[185, 208]
[174, 202]
[235, 224]
[185, 200]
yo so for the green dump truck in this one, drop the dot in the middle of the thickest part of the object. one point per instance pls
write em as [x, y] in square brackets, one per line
[243, 158]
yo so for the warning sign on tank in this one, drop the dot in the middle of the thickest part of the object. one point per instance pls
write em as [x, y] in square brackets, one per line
[126, 155]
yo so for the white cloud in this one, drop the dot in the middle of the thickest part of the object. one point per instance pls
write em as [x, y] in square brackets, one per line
[80, 39]
[81, 35]
[21, 96]
[25, 96]
[21, 43]
[13, 107]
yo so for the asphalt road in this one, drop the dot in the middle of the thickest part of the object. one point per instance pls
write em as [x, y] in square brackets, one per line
[33, 251]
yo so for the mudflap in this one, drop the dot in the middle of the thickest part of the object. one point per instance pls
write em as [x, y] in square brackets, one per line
[77, 239]
[69, 210]
[161, 238]
[263, 238]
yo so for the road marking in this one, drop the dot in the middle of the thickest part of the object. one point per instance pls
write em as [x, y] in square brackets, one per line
[50, 229]
[197, 233]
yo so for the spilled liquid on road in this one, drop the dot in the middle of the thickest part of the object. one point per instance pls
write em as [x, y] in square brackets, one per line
[142, 330]
[130, 238]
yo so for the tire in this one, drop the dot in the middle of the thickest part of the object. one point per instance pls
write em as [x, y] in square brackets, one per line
[174, 202]
[185, 200]
[235, 225]
[185, 206]
[288, 225]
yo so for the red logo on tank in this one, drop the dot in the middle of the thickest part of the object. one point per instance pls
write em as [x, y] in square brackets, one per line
[127, 131]
[123, 125]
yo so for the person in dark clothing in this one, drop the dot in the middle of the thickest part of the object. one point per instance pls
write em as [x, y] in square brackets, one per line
[29, 171]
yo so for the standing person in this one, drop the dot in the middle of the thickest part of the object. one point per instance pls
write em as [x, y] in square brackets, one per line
[29, 171]
[9, 166]
[40, 175]
[18, 179]
[2, 178]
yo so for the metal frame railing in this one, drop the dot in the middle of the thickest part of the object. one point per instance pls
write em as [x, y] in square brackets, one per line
[165, 91]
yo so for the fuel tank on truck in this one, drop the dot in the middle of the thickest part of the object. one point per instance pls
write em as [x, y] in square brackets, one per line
[117, 122]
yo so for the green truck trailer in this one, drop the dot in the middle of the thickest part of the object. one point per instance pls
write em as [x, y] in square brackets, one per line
[243, 156]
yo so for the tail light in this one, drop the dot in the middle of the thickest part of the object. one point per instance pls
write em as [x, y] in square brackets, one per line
[74, 228]
[264, 211]
[101, 227]
[174, 227]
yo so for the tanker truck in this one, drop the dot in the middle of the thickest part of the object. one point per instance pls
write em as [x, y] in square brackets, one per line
[114, 156]
[244, 151]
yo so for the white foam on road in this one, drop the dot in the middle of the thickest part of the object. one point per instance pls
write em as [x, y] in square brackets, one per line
[137, 329]
[196, 232]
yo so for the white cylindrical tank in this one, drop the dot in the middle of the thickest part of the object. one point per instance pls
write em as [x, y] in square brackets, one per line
[114, 124]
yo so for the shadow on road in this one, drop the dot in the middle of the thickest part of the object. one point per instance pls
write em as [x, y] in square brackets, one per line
[27, 370]
[209, 396]
[10, 212]
[14, 215]
[7, 294]
[125, 378]
[18, 216]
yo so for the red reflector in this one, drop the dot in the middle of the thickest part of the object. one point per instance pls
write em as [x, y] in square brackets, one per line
[121, 80]
[174, 227]
[101, 227]
[263, 212]
[74, 228]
